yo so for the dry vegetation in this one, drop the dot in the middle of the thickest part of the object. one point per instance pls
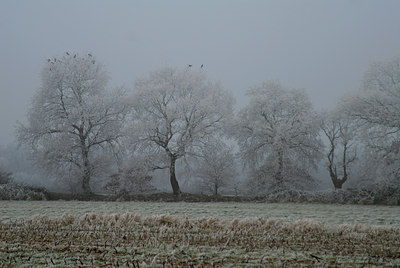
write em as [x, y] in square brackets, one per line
[168, 241]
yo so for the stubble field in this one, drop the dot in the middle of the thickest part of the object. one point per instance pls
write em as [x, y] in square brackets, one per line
[155, 234]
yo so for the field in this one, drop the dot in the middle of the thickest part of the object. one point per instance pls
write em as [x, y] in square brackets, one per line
[155, 234]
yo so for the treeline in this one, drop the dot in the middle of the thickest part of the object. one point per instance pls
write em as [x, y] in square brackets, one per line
[175, 119]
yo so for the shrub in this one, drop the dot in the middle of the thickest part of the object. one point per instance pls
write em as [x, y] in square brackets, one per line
[5, 177]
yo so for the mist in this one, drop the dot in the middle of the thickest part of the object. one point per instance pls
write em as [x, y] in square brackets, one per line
[323, 47]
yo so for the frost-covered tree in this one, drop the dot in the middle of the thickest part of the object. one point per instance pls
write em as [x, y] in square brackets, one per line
[277, 133]
[73, 117]
[175, 111]
[377, 107]
[217, 165]
[134, 177]
[341, 132]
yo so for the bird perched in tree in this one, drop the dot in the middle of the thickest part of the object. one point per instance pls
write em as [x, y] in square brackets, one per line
[89, 54]
[201, 66]
[93, 61]
[74, 56]
[67, 53]
[190, 65]
[48, 60]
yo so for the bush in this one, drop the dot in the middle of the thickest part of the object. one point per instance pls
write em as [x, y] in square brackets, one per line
[5, 177]
[130, 182]
[387, 195]
[382, 195]
[12, 191]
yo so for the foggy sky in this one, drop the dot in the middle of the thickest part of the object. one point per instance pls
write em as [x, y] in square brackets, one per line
[322, 46]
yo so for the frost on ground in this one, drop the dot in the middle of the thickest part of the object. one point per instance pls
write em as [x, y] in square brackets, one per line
[326, 213]
[165, 240]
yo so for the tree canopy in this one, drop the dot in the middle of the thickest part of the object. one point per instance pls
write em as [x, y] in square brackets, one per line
[175, 111]
[71, 116]
[277, 133]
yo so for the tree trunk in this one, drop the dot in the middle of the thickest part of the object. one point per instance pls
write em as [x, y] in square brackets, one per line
[86, 182]
[279, 173]
[85, 169]
[174, 183]
[338, 183]
[215, 189]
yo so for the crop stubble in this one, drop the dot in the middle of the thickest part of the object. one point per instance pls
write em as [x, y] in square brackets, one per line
[169, 241]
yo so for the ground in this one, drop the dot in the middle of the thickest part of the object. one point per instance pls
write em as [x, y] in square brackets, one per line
[156, 234]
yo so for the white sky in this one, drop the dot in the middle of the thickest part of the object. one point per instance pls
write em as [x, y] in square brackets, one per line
[322, 46]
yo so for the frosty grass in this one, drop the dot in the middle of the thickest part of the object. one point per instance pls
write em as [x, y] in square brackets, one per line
[155, 234]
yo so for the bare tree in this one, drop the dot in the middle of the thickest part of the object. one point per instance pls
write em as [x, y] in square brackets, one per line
[73, 117]
[341, 133]
[377, 107]
[217, 166]
[277, 133]
[174, 112]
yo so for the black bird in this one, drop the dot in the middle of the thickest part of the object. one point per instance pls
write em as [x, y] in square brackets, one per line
[74, 56]
[48, 60]
[201, 66]
[90, 55]
[190, 65]
[93, 61]
[67, 53]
